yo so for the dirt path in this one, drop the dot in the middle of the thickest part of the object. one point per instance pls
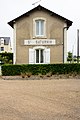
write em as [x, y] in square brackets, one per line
[40, 99]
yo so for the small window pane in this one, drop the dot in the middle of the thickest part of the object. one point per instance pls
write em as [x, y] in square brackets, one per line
[41, 57]
[42, 27]
[2, 48]
[37, 56]
[37, 27]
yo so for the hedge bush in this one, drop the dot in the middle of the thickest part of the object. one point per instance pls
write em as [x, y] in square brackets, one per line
[11, 70]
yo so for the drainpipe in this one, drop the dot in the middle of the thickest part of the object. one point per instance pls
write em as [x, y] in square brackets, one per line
[64, 39]
[78, 46]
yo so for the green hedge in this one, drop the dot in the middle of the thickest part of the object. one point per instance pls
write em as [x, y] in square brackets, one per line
[11, 70]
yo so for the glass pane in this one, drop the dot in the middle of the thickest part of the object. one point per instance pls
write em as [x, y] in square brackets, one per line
[37, 56]
[42, 27]
[41, 56]
[37, 27]
[2, 48]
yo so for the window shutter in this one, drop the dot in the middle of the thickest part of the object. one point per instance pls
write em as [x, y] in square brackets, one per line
[31, 56]
[47, 56]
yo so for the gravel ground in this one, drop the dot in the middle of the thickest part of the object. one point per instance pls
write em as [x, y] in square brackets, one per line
[40, 99]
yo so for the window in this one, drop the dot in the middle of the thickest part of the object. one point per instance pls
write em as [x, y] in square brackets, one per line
[2, 41]
[39, 55]
[2, 48]
[39, 27]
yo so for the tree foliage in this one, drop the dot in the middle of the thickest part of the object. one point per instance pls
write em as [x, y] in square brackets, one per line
[6, 58]
[70, 57]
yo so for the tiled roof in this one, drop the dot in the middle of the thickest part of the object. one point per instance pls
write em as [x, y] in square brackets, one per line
[39, 7]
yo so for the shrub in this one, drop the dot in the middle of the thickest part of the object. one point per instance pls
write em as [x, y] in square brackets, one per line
[8, 70]
[23, 75]
[49, 74]
[29, 74]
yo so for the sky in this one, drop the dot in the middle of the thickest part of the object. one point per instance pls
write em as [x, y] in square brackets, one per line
[10, 9]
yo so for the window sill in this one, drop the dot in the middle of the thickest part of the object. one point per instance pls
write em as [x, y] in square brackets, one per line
[39, 37]
[39, 63]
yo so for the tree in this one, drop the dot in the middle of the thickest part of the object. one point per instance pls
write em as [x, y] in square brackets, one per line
[6, 58]
[70, 57]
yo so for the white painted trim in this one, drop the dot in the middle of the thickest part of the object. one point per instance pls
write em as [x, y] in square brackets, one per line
[39, 47]
[46, 54]
[65, 44]
[14, 45]
[34, 27]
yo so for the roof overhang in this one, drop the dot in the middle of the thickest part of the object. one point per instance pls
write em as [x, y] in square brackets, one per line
[39, 7]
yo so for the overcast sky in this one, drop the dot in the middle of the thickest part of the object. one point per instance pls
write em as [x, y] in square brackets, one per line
[10, 9]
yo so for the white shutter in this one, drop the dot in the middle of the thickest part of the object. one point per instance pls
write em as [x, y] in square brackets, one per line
[31, 56]
[47, 56]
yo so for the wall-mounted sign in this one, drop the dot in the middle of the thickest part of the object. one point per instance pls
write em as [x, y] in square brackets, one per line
[40, 42]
